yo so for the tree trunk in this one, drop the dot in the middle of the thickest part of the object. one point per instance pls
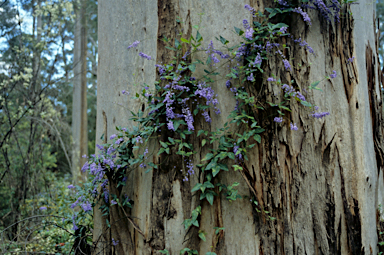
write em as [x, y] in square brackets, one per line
[323, 183]
[79, 104]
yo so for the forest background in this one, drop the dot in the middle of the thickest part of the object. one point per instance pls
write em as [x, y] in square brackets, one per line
[42, 42]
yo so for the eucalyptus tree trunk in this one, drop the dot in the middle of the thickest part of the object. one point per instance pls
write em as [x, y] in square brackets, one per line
[79, 103]
[323, 183]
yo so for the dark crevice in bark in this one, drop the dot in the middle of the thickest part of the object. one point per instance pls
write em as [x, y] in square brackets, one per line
[352, 219]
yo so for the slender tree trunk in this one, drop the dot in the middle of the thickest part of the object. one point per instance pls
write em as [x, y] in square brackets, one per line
[323, 183]
[79, 109]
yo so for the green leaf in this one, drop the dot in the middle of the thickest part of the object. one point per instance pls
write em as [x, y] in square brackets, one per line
[210, 253]
[197, 187]
[170, 48]
[259, 130]
[171, 140]
[314, 85]
[208, 184]
[192, 67]
[184, 40]
[203, 142]
[305, 103]
[257, 138]
[208, 156]
[177, 44]
[200, 132]
[223, 40]
[163, 144]
[211, 165]
[223, 167]
[160, 151]
[215, 170]
[202, 236]
[164, 252]
[209, 197]
[239, 31]
[199, 38]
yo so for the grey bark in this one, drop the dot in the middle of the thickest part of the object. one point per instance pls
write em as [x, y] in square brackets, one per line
[79, 104]
[323, 182]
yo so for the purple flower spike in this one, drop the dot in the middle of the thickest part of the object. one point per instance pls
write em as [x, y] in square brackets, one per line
[133, 45]
[143, 55]
[70, 186]
[286, 64]
[319, 115]
[293, 127]
[43, 208]
[115, 242]
[278, 119]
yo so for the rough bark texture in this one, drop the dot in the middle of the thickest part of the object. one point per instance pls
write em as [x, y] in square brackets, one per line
[323, 182]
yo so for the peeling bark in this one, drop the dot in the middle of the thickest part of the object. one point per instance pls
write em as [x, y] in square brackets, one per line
[320, 182]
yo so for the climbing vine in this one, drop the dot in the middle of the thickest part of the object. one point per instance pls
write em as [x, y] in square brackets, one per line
[181, 95]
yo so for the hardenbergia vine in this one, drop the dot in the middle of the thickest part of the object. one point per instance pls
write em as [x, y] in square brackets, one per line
[184, 92]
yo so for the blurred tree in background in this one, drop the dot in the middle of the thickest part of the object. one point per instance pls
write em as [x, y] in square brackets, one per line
[36, 84]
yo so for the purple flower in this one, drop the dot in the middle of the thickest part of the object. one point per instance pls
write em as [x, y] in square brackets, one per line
[106, 195]
[350, 60]
[170, 126]
[293, 126]
[206, 116]
[245, 24]
[110, 150]
[124, 92]
[70, 186]
[300, 96]
[118, 141]
[113, 202]
[271, 79]
[84, 156]
[249, 8]
[146, 151]
[283, 30]
[278, 119]
[228, 84]
[257, 62]
[43, 208]
[282, 2]
[100, 147]
[188, 118]
[142, 165]
[139, 139]
[112, 137]
[250, 77]
[333, 75]
[309, 48]
[304, 14]
[161, 69]
[76, 202]
[286, 64]
[319, 115]
[115, 242]
[235, 150]
[86, 206]
[249, 33]
[134, 44]
[143, 55]
[85, 167]
[74, 226]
